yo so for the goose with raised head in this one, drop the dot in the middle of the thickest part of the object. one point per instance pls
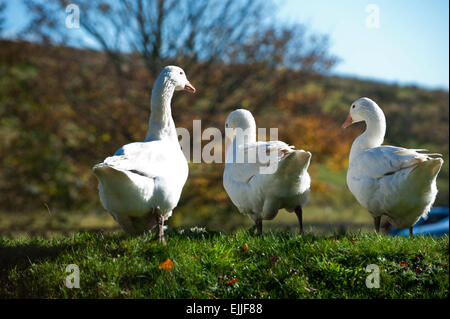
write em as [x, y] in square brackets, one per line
[141, 183]
[256, 189]
[387, 180]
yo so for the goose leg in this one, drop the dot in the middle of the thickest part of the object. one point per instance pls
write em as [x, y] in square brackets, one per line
[377, 221]
[258, 223]
[160, 228]
[299, 213]
[410, 231]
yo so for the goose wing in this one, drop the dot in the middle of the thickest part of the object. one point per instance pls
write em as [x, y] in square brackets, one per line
[386, 160]
[251, 159]
[149, 159]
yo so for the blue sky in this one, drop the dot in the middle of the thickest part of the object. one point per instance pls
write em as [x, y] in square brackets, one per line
[411, 45]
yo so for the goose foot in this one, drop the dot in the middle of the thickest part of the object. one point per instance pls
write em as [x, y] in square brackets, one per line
[377, 221]
[410, 231]
[258, 224]
[160, 228]
[299, 213]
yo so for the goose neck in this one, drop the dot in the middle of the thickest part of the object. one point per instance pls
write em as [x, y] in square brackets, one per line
[373, 136]
[161, 124]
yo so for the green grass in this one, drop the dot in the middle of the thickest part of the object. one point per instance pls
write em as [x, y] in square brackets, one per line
[275, 265]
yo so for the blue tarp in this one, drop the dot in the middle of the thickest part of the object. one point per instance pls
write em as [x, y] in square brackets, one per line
[437, 224]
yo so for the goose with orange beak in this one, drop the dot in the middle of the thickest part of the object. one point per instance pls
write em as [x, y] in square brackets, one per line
[141, 183]
[396, 182]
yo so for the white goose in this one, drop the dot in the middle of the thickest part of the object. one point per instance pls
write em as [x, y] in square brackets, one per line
[141, 183]
[386, 180]
[255, 193]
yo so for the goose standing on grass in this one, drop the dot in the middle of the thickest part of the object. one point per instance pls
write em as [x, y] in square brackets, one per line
[141, 183]
[256, 194]
[386, 180]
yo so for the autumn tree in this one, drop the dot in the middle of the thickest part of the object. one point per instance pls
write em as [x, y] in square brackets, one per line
[160, 31]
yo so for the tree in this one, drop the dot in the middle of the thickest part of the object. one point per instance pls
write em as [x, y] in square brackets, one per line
[184, 31]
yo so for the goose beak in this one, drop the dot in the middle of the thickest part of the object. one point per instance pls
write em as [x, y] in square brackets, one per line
[189, 87]
[348, 121]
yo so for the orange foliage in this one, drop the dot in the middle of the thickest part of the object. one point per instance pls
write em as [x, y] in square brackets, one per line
[321, 136]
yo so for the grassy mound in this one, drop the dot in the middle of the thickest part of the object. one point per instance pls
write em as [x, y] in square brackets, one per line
[214, 265]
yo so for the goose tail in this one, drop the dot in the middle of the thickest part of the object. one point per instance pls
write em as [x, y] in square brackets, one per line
[423, 180]
[122, 190]
[114, 180]
[294, 164]
[103, 170]
[425, 172]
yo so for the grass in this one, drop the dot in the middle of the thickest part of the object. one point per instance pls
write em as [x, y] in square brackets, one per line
[328, 262]
[215, 265]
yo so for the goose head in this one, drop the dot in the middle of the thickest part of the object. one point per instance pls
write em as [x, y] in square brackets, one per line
[241, 121]
[177, 77]
[363, 109]
[366, 110]
[240, 118]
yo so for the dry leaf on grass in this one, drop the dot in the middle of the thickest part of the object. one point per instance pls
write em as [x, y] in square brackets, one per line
[166, 265]
[232, 281]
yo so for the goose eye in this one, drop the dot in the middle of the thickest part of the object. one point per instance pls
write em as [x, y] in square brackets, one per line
[181, 73]
[353, 106]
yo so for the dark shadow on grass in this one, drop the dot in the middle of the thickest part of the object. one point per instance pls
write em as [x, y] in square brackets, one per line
[23, 255]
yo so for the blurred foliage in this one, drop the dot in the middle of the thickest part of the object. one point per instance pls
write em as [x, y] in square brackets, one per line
[62, 110]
